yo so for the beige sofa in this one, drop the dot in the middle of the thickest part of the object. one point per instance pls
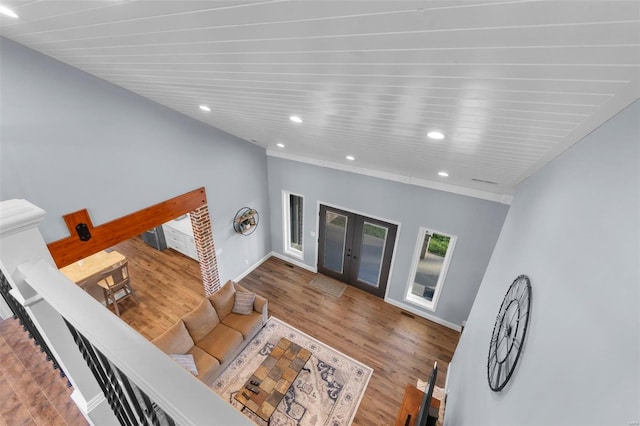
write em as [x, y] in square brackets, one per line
[212, 333]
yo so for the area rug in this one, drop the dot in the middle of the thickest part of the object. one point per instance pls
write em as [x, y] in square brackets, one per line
[326, 392]
[328, 285]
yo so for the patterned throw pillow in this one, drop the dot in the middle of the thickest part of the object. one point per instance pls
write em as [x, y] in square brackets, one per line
[186, 362]
[243, 304]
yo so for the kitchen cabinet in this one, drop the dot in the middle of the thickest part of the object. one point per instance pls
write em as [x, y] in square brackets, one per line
[178, 234]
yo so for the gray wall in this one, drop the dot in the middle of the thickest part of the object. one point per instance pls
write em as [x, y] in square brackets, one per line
[69, 141]
[476, 222]
[574, 229]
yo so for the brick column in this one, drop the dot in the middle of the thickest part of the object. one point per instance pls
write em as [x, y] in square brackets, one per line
[203, 236]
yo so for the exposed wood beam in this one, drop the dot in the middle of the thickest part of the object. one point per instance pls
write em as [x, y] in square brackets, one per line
[71, 249]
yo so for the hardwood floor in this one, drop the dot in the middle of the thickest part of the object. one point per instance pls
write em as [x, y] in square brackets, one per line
[398, 347]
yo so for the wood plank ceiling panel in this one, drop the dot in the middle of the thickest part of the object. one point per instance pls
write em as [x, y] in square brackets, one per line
[511, 84]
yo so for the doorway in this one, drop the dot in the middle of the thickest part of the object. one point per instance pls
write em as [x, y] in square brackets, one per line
[355, 249]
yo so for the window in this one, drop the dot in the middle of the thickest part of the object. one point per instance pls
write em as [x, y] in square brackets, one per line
[430, 263]
[293, 223]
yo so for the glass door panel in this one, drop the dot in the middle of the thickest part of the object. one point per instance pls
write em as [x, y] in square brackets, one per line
[374, 238]
[334, 241]
[355, 249]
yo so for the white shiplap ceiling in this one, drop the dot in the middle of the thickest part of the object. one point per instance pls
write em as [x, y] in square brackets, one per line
[510, 83]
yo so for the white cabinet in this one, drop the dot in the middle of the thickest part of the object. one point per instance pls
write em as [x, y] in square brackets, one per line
[179, 236]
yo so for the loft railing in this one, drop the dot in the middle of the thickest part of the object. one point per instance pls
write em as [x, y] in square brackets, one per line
[20, 313]
[117, 374]
[141, 384]
[130, 405]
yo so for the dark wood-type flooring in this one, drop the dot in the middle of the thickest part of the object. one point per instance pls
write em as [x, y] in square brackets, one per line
[399, 348]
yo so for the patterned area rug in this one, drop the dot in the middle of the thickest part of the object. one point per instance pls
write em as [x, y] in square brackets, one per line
[326, 392]
[328, 285]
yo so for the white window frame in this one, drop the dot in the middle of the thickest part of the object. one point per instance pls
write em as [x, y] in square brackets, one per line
[421, 301]
[286, 225]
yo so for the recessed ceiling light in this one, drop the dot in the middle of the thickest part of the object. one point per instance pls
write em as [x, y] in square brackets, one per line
[280, 145]
[205, 108]
[6, 11]
[443, 174]
[350, 157]
[435, 135]
[295, 119]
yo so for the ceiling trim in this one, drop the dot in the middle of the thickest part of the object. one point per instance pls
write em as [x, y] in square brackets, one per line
[502, 198]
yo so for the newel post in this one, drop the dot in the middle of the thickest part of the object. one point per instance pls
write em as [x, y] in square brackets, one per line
[21, 243]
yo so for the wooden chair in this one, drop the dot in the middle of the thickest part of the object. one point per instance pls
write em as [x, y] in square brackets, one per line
[90, 285]
[115, 280]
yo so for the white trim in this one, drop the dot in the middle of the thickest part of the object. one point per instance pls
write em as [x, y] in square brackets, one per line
[423, 314]
[21, 300]
[408, 295]
[18, 216]
[251, 268]
[446, 380]
[503, 198]
[286, 220]
[350, 210]
[87, 406]
[185, 399]
[293, 261]
[294, 253]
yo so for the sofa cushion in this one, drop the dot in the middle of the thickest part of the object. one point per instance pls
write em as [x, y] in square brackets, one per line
[207, 365]
[223, 299]
[176, 340]
[248, 325]
[201, 320]
[221, 342]
[243, 303]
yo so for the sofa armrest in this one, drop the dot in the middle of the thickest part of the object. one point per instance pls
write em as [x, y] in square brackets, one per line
[259, 305]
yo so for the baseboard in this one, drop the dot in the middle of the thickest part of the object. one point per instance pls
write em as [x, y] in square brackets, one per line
[251, 268]
[294, 262]
[314, 270]
[423, 314]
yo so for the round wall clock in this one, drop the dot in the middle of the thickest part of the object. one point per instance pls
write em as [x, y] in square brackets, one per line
[508, 333]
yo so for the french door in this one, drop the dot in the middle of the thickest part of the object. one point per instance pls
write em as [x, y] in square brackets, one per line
[355, 249]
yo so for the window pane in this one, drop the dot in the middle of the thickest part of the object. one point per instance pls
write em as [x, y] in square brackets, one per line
[334, 241]
[374, 238]
[432, 254]
[295, 221]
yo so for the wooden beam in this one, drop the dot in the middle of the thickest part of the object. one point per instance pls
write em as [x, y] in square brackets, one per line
[71, 249]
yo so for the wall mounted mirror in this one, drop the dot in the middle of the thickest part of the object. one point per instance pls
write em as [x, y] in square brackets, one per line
[432, 255]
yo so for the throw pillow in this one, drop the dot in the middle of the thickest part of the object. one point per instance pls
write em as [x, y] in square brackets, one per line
[176, 340]
[201, 320]
[243, 303]
[222, 299]
[185, 361]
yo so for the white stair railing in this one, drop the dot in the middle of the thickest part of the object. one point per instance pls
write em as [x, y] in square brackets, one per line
[139, 382]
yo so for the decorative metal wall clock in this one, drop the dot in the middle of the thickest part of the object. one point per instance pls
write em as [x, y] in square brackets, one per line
[509, 332]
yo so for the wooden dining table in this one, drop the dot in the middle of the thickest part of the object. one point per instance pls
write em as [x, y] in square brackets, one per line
[86, 272]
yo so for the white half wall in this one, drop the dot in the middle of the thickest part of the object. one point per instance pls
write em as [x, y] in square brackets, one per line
[574, 229]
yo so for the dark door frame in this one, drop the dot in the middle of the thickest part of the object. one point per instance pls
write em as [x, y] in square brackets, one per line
[344, 277]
